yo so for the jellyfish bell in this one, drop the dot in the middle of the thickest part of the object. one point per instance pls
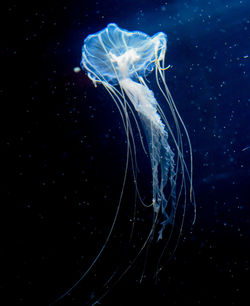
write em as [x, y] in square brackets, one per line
[113, 54]
[120, 60]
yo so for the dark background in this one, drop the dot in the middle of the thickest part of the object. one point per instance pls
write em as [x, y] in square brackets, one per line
[64, 148]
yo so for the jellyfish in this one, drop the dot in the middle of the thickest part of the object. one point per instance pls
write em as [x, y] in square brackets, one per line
[120, 61]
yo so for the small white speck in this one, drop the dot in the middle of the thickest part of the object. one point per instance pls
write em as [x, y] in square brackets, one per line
[77, 69]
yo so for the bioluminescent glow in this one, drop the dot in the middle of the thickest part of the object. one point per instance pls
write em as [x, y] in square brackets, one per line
[120, 61]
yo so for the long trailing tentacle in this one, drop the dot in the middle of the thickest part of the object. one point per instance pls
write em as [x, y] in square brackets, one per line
[180, 157]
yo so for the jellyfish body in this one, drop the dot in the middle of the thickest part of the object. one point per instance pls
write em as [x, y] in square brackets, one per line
[121, 60]
[115, 56]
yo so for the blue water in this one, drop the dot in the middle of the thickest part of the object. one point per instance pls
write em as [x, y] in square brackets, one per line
[65, 151]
